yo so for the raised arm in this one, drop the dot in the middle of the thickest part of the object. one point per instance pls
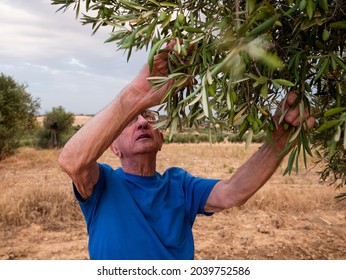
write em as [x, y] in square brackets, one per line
[79, 156]
[255, 172]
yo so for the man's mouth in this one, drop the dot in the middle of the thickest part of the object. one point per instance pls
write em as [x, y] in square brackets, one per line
[144, 135]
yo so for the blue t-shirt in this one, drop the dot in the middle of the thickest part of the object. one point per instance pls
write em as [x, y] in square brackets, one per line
[138, 217]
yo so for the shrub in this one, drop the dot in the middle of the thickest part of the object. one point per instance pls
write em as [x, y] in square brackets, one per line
[17, 114]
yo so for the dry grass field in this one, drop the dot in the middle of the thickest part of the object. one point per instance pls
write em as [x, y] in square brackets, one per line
[79, 119]
[291, 217]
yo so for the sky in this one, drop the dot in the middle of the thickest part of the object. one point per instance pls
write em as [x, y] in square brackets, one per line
[58, 58]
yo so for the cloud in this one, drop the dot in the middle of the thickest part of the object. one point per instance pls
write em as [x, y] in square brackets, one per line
[40, 68]
[10, 13]
[59, 59]
[74, 61]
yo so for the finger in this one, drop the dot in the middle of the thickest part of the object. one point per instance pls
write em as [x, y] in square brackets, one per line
[163, 53]
[295, 121]
[171, 44]
[310, 122]
[291, 98]
[292, 116]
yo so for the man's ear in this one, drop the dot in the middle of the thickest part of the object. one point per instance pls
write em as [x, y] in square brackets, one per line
[115, 150]
[161, 137]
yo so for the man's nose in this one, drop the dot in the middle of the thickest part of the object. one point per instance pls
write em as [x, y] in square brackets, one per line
[142, 122]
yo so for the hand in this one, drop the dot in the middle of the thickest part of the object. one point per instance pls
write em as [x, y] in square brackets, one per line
[292, 117]
[160, 69]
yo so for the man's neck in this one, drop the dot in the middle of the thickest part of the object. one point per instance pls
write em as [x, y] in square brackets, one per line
[141, 165]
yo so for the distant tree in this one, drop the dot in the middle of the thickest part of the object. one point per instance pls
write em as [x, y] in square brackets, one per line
[56, 123]
[18, 111]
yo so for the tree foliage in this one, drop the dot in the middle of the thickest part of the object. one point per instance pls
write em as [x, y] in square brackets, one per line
[17, 114]
[56, 123]
[245, 56]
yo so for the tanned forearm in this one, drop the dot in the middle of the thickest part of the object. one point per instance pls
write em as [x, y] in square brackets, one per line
[246, 181]
[253, 174]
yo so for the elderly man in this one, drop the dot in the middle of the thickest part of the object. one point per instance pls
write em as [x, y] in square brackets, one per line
[134, 212]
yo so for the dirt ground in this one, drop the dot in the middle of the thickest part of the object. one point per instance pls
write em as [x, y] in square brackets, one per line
[251, 235]
[290, 218]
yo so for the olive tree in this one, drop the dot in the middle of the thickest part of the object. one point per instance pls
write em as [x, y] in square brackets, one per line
[242, 58]
[17, 114]
[56, 123]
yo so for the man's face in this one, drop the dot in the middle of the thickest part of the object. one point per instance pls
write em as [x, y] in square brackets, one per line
[139, 137]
